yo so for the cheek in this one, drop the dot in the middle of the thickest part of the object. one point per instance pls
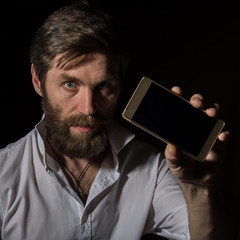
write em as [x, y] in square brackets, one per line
[111, 99]
[63, 105]
[106, 106]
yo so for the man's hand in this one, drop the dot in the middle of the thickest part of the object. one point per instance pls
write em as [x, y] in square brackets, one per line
[186, 169]
[209, 215]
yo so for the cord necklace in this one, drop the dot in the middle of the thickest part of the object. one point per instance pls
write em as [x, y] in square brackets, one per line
[78, 187]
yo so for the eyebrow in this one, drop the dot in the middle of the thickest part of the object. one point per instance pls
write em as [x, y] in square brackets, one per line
[66, 77]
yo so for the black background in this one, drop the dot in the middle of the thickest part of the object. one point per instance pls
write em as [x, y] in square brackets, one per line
[194, 44]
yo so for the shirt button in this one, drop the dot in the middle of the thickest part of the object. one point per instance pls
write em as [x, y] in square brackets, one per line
[106, 183]
[84, 218]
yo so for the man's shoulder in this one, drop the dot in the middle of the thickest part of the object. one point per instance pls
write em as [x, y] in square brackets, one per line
[122, 138]
[144, 151]
[13, 152]
[134, 148]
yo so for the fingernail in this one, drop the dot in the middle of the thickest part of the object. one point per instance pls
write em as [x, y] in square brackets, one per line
[177, 90]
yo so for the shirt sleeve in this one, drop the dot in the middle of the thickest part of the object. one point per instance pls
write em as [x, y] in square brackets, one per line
[168, 215]
[0, 221]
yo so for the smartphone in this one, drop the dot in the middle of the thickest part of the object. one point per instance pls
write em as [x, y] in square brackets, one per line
[172, 119]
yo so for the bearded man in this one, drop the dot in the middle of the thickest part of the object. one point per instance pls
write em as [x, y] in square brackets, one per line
[79, 174]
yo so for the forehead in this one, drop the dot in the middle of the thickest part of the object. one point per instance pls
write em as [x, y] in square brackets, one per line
[68, 61]
[92, 66]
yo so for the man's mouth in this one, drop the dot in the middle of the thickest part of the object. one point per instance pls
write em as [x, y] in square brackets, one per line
[83, 129]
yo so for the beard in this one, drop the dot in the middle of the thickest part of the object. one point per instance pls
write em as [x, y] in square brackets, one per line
[75, 144]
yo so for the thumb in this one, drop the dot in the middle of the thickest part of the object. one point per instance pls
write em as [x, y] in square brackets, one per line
[174, 160]
[172, 154]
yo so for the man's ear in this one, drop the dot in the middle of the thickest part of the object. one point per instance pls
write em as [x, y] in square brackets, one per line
[36, 82]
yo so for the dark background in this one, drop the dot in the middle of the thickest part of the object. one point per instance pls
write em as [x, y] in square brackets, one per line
[194, 44]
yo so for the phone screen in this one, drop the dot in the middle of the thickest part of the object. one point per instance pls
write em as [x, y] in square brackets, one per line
[174, 119]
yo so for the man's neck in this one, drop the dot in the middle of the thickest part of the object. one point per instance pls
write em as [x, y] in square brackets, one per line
[80, 172]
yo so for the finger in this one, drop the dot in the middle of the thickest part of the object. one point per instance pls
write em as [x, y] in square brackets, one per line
[211, 112]
[212, 156]
[219, 147]
[224, 136]
[217, 106]
[177, 90]
[197, 100]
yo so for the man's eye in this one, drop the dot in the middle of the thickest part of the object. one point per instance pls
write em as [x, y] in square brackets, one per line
[104, 85]
[70, 85]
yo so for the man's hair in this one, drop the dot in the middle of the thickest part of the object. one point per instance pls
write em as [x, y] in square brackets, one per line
[72, 31]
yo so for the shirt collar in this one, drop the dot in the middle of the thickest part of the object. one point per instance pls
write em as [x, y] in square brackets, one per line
[118, 137]
[41, 130]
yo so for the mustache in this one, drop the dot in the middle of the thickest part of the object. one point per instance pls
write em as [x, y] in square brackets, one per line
[82, 120]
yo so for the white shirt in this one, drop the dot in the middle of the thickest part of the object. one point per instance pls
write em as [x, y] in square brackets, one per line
[133, 194]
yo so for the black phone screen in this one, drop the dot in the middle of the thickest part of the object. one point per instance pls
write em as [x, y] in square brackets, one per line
[174, 119]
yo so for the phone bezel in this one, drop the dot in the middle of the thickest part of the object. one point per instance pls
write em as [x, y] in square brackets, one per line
[135, 101]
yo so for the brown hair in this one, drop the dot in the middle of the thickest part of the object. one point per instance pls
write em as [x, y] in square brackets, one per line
[74, 30]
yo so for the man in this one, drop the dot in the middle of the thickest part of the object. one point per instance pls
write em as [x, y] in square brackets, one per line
[78, 174]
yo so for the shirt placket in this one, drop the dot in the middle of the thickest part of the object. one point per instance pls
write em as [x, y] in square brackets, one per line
[86, 226]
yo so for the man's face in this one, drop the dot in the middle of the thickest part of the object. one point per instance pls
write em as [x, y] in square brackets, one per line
[78, 100]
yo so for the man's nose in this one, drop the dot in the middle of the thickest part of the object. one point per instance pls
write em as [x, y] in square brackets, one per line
[86, 102]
